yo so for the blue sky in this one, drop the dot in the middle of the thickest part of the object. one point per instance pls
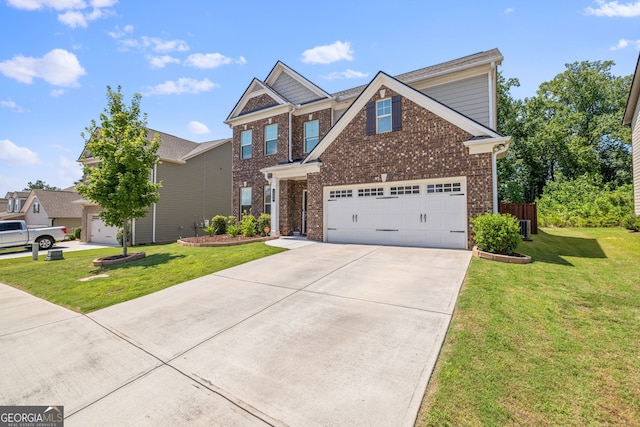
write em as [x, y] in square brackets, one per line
[192, 60]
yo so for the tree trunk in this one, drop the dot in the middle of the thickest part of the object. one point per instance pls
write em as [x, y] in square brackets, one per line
[125, 238]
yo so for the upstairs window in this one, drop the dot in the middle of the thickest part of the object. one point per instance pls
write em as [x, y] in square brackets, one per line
[36, 207]
[311, 135]
[384, 115]
[245, 144]
[10, 206]
[271, 139]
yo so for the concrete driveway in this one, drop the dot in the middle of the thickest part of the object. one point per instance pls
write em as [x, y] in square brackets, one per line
[321, 335]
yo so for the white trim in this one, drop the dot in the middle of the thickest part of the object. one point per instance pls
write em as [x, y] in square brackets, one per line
[248, 95]
[281, 67]
[487, 145]
[260, 115]
[292, 170]
[408, 92]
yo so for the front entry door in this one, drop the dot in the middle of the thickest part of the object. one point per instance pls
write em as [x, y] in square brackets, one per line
[304, 211]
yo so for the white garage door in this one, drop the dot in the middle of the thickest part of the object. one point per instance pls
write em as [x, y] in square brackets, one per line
[102, 233]
[415, 213]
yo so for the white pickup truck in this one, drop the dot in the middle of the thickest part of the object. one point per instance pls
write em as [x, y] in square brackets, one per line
[16, 233]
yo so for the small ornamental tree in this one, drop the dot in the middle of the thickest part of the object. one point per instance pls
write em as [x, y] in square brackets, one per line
[119, 181]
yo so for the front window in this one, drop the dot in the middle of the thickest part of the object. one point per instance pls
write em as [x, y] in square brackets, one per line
[271, 139]
[383, 115]
[245, 144]
[245, 200]
[267, 199]
[311, 135]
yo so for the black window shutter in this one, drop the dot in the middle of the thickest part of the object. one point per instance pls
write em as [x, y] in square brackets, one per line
[396, 113]
[371, 118]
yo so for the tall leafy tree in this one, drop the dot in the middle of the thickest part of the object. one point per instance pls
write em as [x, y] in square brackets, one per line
[571, 127]
[120, 182]
[40, 185]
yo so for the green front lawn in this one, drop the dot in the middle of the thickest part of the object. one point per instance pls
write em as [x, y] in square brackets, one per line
[164, 266]
[555, 342]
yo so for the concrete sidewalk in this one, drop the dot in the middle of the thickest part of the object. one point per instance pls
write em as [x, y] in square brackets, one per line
[320, 335]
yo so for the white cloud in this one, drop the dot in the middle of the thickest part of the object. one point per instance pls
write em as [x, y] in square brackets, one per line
[10, 104]
[57, 92]
[328, 53]
[348, 74]
[16, 155]
[162, 61]
[211, 60]
[58, 67]
[509, 10]
[118, 33]
[77, 13]
[181, 86]
[622, 43]
[198, 128]
[42, 4]
[615, 9]
[69, 170]
[155, 43]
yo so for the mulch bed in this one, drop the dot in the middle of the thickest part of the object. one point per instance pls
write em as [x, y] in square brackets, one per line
[222, 240]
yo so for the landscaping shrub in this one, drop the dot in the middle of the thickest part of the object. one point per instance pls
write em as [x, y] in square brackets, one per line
[208, 230]
[584, 202]
[119, 236]
[77, 232]
[631, 222]
[248, 225]
[233, 230]
[496, 233]
[232, 220]
[71, 237]
[219, 223]
[264, 224]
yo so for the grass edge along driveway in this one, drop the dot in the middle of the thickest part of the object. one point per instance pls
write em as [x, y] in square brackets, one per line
[72, 283]
[555, 342]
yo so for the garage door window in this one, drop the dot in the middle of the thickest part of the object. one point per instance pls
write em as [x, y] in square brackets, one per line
[370, 192]
[337, 194]
[405, 189]
[447, 187]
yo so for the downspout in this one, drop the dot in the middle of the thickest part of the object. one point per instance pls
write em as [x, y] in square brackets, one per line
[492, 94]
[498, 149]
[153, 222]
[290, 135]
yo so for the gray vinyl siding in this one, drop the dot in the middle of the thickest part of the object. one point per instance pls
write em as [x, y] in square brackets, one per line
[191, 192]
[469, 97]
[635, 141]
[293, 90]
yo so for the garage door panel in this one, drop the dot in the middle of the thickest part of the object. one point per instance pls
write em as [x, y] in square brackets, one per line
[412, 214]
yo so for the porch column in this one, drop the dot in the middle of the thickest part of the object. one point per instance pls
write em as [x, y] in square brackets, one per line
[275, 207]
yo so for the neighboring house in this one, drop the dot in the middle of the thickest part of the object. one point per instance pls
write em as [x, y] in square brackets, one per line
[49, 208]
[44, 208]
[3, 205]
[196, 182]
[632, 118]
[404, 160]
[15, 205]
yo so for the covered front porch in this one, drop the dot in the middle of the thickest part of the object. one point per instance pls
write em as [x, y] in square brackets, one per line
[289, 203]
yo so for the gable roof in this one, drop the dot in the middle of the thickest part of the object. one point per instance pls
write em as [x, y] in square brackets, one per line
[297, 88]
[58, 204]
[482, 136]
[259, 87]
[174, 149]
[460, 64]
[634, 96]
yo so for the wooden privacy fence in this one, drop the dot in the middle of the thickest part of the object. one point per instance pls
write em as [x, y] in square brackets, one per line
[522, 211]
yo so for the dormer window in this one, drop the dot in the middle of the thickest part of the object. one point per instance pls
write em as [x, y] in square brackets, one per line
[10, 206]
[36, 207]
